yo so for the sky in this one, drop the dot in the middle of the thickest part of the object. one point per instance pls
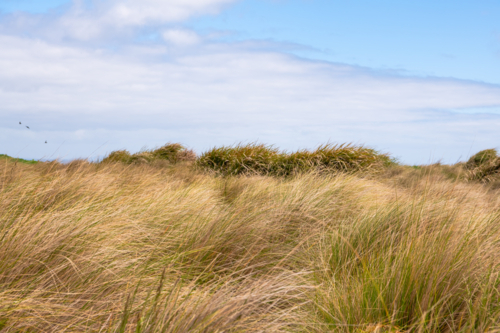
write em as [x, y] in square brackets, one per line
[417, 79]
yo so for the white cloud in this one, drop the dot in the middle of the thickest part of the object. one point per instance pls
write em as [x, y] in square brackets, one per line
[140, 12]
[181, 37]
[221, 94]
[109, 18]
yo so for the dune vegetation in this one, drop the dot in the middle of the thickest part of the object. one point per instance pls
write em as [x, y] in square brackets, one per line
[4, 157]
[250, 239]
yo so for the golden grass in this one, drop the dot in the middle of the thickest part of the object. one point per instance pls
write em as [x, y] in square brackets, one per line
[113, 247]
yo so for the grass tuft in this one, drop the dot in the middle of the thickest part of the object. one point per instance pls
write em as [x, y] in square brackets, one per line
[171, 153]
[260, 159]
[484, 166]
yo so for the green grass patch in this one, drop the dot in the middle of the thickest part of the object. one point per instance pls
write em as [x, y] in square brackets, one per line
[4, 157]
[267, 160]
[171, 152]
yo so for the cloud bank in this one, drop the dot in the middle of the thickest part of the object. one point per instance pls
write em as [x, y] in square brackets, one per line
[184, 87]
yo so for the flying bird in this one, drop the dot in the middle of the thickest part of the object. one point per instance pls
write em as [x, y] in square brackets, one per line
[27, 127]
[19, 123]
[45, 141]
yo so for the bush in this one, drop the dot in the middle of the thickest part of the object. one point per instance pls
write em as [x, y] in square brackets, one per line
[483, 166]
[267, 160]
[483, 157]
[344, 157]
[118, 156]
[171, 152]
[250, 159]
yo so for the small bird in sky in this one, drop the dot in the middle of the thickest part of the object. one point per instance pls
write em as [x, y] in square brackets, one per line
[19, 123]
[27, 127]
[45, 141]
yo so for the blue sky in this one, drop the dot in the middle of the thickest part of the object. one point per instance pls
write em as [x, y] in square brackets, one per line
[459, 39]
[43, 6]
[418, 79]
[438, 38]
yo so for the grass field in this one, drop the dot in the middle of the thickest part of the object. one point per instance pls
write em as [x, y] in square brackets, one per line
[138, 244]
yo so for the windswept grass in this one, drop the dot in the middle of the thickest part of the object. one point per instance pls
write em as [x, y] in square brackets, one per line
[484, 166]
[171, 152]
[147, 247]
[259, 159]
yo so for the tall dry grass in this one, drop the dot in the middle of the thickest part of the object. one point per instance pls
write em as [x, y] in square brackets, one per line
[142, 248]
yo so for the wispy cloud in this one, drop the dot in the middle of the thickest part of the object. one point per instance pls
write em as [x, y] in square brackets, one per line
[94, 19]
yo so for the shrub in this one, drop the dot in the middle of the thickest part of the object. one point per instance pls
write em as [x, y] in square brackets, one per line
[346, 157]
[483, 166]
[118, 156]
[261, 159]
[483, 157]
[171, 152]
[249, 159]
